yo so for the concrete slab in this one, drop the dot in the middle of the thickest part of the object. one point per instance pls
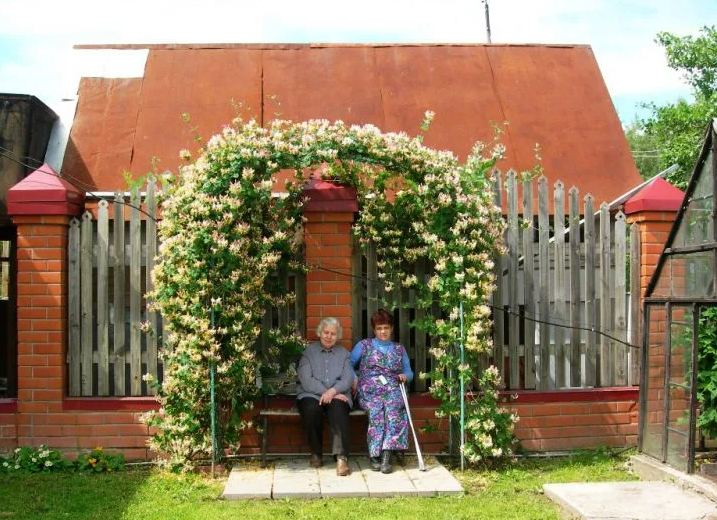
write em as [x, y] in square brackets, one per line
[248, 483]
[630, 501]
[393, 484]
[649, 468]
[333, 486]
[295, 479]
[436, 480]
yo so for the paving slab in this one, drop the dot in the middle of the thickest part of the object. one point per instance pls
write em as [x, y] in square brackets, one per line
[436, 480]
[246, 483]
[295, 479]
[649, 468]
[630, 501]
[333, 486]
[393, 484]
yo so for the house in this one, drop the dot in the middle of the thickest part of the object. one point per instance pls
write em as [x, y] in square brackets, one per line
[147, 102]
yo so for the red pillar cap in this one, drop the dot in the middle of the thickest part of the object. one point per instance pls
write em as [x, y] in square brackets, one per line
[659, 195]
[44, 192]
[329, 196]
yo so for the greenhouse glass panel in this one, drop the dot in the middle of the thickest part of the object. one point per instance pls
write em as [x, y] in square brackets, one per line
[686, 275]
[696, 226]
[653, 384]
[679, 386]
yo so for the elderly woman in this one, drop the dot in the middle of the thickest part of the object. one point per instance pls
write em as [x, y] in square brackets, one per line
[325, 379]
[382, 366]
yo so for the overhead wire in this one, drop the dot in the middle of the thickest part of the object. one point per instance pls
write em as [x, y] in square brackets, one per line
[74, 181]
[4, 152]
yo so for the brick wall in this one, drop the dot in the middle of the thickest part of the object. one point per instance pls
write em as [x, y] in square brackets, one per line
[43, 413]
[8, 425]
[549, 421]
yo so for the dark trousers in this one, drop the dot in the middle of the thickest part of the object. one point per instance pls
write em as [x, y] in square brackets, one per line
[312, 414]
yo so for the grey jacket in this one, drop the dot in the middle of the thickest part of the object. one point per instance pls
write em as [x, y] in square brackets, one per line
[321, 369]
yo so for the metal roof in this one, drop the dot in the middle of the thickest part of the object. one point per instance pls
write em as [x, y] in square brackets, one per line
[553, 95]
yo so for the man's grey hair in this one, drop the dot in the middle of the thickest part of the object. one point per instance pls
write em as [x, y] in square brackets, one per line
[330, 321]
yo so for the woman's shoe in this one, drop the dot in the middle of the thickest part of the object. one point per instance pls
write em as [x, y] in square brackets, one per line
[375, 463]
[386, 462]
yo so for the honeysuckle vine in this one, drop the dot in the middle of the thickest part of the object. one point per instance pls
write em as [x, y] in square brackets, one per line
[225, 236]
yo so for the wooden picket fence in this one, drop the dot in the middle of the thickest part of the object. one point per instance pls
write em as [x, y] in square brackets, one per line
[110, 261]
[565, 295]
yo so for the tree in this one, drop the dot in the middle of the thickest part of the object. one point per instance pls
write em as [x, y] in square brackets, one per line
[644, 148]
[676, 129]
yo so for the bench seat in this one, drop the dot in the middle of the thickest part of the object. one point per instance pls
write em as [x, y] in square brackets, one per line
[284, 391]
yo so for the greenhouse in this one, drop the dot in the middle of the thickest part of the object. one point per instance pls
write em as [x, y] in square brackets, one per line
[678, 399]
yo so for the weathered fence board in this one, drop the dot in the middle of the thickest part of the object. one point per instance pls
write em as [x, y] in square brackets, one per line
[606, 366]
[103, 363]
[110, 261]
[151, 248]
[574, 269]
[559, 314]
[561, 295]
[513, 254]
[545, 372]
[529, 286]
[118, 314]
[86, 303]
[589, 378]
[135, 295]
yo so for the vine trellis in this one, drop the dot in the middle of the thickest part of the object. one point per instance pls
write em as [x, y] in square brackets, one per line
[224, 238]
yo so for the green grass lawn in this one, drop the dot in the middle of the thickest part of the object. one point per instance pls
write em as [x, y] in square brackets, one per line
[510, 493]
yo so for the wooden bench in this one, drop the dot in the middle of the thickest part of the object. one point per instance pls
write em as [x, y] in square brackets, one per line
[282, 387]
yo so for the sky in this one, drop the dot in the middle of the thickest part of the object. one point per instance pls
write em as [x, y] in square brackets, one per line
[36, 36]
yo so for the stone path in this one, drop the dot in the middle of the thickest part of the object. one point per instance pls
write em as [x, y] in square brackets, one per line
[295, 479]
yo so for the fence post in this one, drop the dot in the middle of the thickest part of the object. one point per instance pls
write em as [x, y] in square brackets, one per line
[41, 207]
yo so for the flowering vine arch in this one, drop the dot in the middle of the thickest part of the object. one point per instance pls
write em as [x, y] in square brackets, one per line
[224, 235]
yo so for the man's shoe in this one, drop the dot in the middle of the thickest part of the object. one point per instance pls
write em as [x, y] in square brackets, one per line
[315, 461]
[386, 462]
[342, 466]
[375, 463]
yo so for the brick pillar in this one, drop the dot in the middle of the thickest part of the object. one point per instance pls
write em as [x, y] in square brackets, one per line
[653, 209]
[41, 207]
[329, 215]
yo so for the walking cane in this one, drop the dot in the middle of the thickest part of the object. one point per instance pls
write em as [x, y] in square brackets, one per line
[421, 465]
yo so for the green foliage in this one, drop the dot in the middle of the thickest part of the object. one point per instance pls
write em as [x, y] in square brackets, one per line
[34, 460]
[98, 461]
[707, 373]
[676, 130]
[489, 428]
[644, 149]
[225, 237]
[695, 57]
[513, 491]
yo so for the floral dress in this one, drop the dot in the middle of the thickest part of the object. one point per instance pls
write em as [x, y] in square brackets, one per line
[380, 396]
